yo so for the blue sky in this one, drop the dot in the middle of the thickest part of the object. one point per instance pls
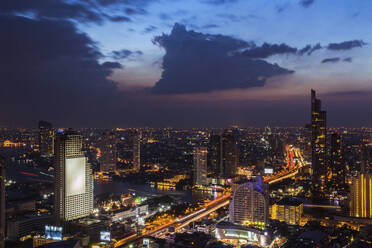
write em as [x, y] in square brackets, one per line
[225, 61]
[258, 20]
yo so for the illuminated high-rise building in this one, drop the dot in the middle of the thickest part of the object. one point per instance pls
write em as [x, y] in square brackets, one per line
[200, 166]
[250, 204]
[223, 154]
[2, 202]
[137, 151]
[361, 196]
[366, 156]
[336, 161]
[215, 154]
[108, 152]
[46, 139]
[229, 154]
[318, 144]
[73, 185]
[288, 210]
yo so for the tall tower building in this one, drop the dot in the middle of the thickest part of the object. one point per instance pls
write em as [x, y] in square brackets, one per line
[229, 154]
[73, 185]
[2, 202]
[318, 143]
[215, 154]
[108, 152]
[361, 196]
[336, 161]
[46, 139]
[366, 156]
[250, 204]
[200, 166]
[223, 154]
[137, 151]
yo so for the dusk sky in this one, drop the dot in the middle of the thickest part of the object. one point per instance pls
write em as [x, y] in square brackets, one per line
[184, 63]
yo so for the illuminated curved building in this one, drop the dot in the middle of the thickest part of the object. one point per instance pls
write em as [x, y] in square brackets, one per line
[249, 204]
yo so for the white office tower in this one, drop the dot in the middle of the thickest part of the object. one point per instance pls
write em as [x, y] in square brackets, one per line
[73, 185]
[200, 166]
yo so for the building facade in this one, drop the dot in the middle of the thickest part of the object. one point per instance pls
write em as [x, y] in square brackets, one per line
[223, 155]
[200, 166]
[108, 152]
[250, 204]
[361, 196]
[288, 210]
[73, 192]
[318, 144]
[137, 151]
[336, 161]
[46, 139]
[366, 156]
[215, 154]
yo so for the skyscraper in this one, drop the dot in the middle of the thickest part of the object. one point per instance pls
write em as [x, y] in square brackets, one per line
[223, 154]
[229, 154]
[366, 156]
[250, 203]
[2, 202]
[336, 161]
[318, 144]
[215, 154]
[361, 196]
[200, 166]
[46, 139]
[137, 151]
[288, 210]
[73, 185]
[108, 152]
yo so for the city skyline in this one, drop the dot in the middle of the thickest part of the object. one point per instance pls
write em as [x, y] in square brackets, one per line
[135, 63]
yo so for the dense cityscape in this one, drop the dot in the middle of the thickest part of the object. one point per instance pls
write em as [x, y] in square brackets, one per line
[162, 187]
[185, 124]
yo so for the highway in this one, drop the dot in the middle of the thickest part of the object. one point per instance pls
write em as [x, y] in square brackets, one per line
[205, 210]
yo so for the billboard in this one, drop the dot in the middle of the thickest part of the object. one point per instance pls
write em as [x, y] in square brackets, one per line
[268, 171]
[75, 176]
[105, 236]
[53, 232]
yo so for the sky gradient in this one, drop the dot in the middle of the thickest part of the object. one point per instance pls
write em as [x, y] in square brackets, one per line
[195, 63]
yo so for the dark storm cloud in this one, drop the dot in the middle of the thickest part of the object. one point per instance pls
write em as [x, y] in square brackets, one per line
[149, 29]
[348, 59]
[331, 60]
[125, 53]
[309, 49]
[306, 3]
[50, 70]
[112, 65]
[196, 62]
[80, 10]
[135, 11]
[346, 45]
[52, 9]
[267, 50]
[210, 26]
[118, 18]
